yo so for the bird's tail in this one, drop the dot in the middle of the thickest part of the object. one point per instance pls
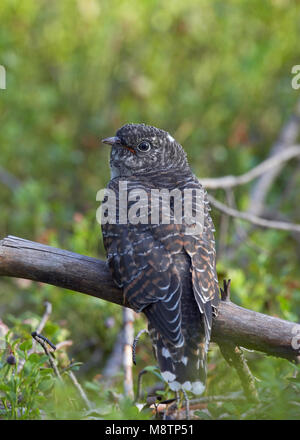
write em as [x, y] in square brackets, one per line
[181, 367]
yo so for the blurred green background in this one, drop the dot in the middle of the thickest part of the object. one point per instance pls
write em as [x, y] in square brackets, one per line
[216, 75]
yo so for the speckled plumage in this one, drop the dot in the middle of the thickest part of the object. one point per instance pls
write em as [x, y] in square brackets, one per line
[165, 273]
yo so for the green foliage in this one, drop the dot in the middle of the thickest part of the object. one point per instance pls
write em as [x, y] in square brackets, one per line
[277, 382]
[23, 391]
[217, 75]
[30, 389]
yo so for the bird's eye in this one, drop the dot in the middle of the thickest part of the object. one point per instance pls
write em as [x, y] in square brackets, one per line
[144, 146]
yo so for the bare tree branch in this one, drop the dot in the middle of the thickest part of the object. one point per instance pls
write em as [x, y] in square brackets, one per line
[128, 335]
[245, 328]
[234, 356]
[285, 226]
[262, 168]
[45, 317]
[135, 342]
[287, 137]
[80, 389]
[43, 343]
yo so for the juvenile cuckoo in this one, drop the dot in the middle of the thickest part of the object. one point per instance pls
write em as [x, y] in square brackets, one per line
[164, 272]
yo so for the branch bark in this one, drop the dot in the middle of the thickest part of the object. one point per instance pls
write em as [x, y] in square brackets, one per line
[246, 328]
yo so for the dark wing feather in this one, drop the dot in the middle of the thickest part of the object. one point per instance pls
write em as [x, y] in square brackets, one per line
[201, 249]
[140, 257]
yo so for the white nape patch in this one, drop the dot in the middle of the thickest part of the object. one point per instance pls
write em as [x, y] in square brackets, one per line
[171, 139]
[168, 376]
[184, 360]
[198, 387]
[175, 386]
[166, 353]
[187, 385]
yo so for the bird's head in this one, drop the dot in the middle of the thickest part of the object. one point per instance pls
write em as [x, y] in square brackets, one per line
[140, 148]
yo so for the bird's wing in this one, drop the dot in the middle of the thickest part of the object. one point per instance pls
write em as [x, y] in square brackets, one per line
[201, 249]
[141, 260]
[141, 264]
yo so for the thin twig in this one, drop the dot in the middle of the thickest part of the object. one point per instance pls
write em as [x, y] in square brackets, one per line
[41, 340]
[187, 405]
[139, 385]
[287, 136]
[80, 389]
[128, 318]
[284, 226]
[45, 317]
[36, 335]
[225, 292]
[263, 167]
[201, 402]
[66, 343]
[40, 328]
[235, 358]
[135, 342]
[232, 397]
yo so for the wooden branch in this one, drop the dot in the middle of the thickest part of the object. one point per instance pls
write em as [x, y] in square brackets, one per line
[246, 328]
[234, 356]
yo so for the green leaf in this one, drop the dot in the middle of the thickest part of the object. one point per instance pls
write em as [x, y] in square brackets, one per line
[26, 345]
[34, 358]
[45, 371]
[45, 385]
[92, 386]
[154, 370]
[202, 415]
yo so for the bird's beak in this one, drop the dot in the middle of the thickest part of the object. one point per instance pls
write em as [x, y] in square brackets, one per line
[112, 140]
[115, 140]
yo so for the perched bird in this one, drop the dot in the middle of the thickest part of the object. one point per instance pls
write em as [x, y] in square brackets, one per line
[164, 272]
